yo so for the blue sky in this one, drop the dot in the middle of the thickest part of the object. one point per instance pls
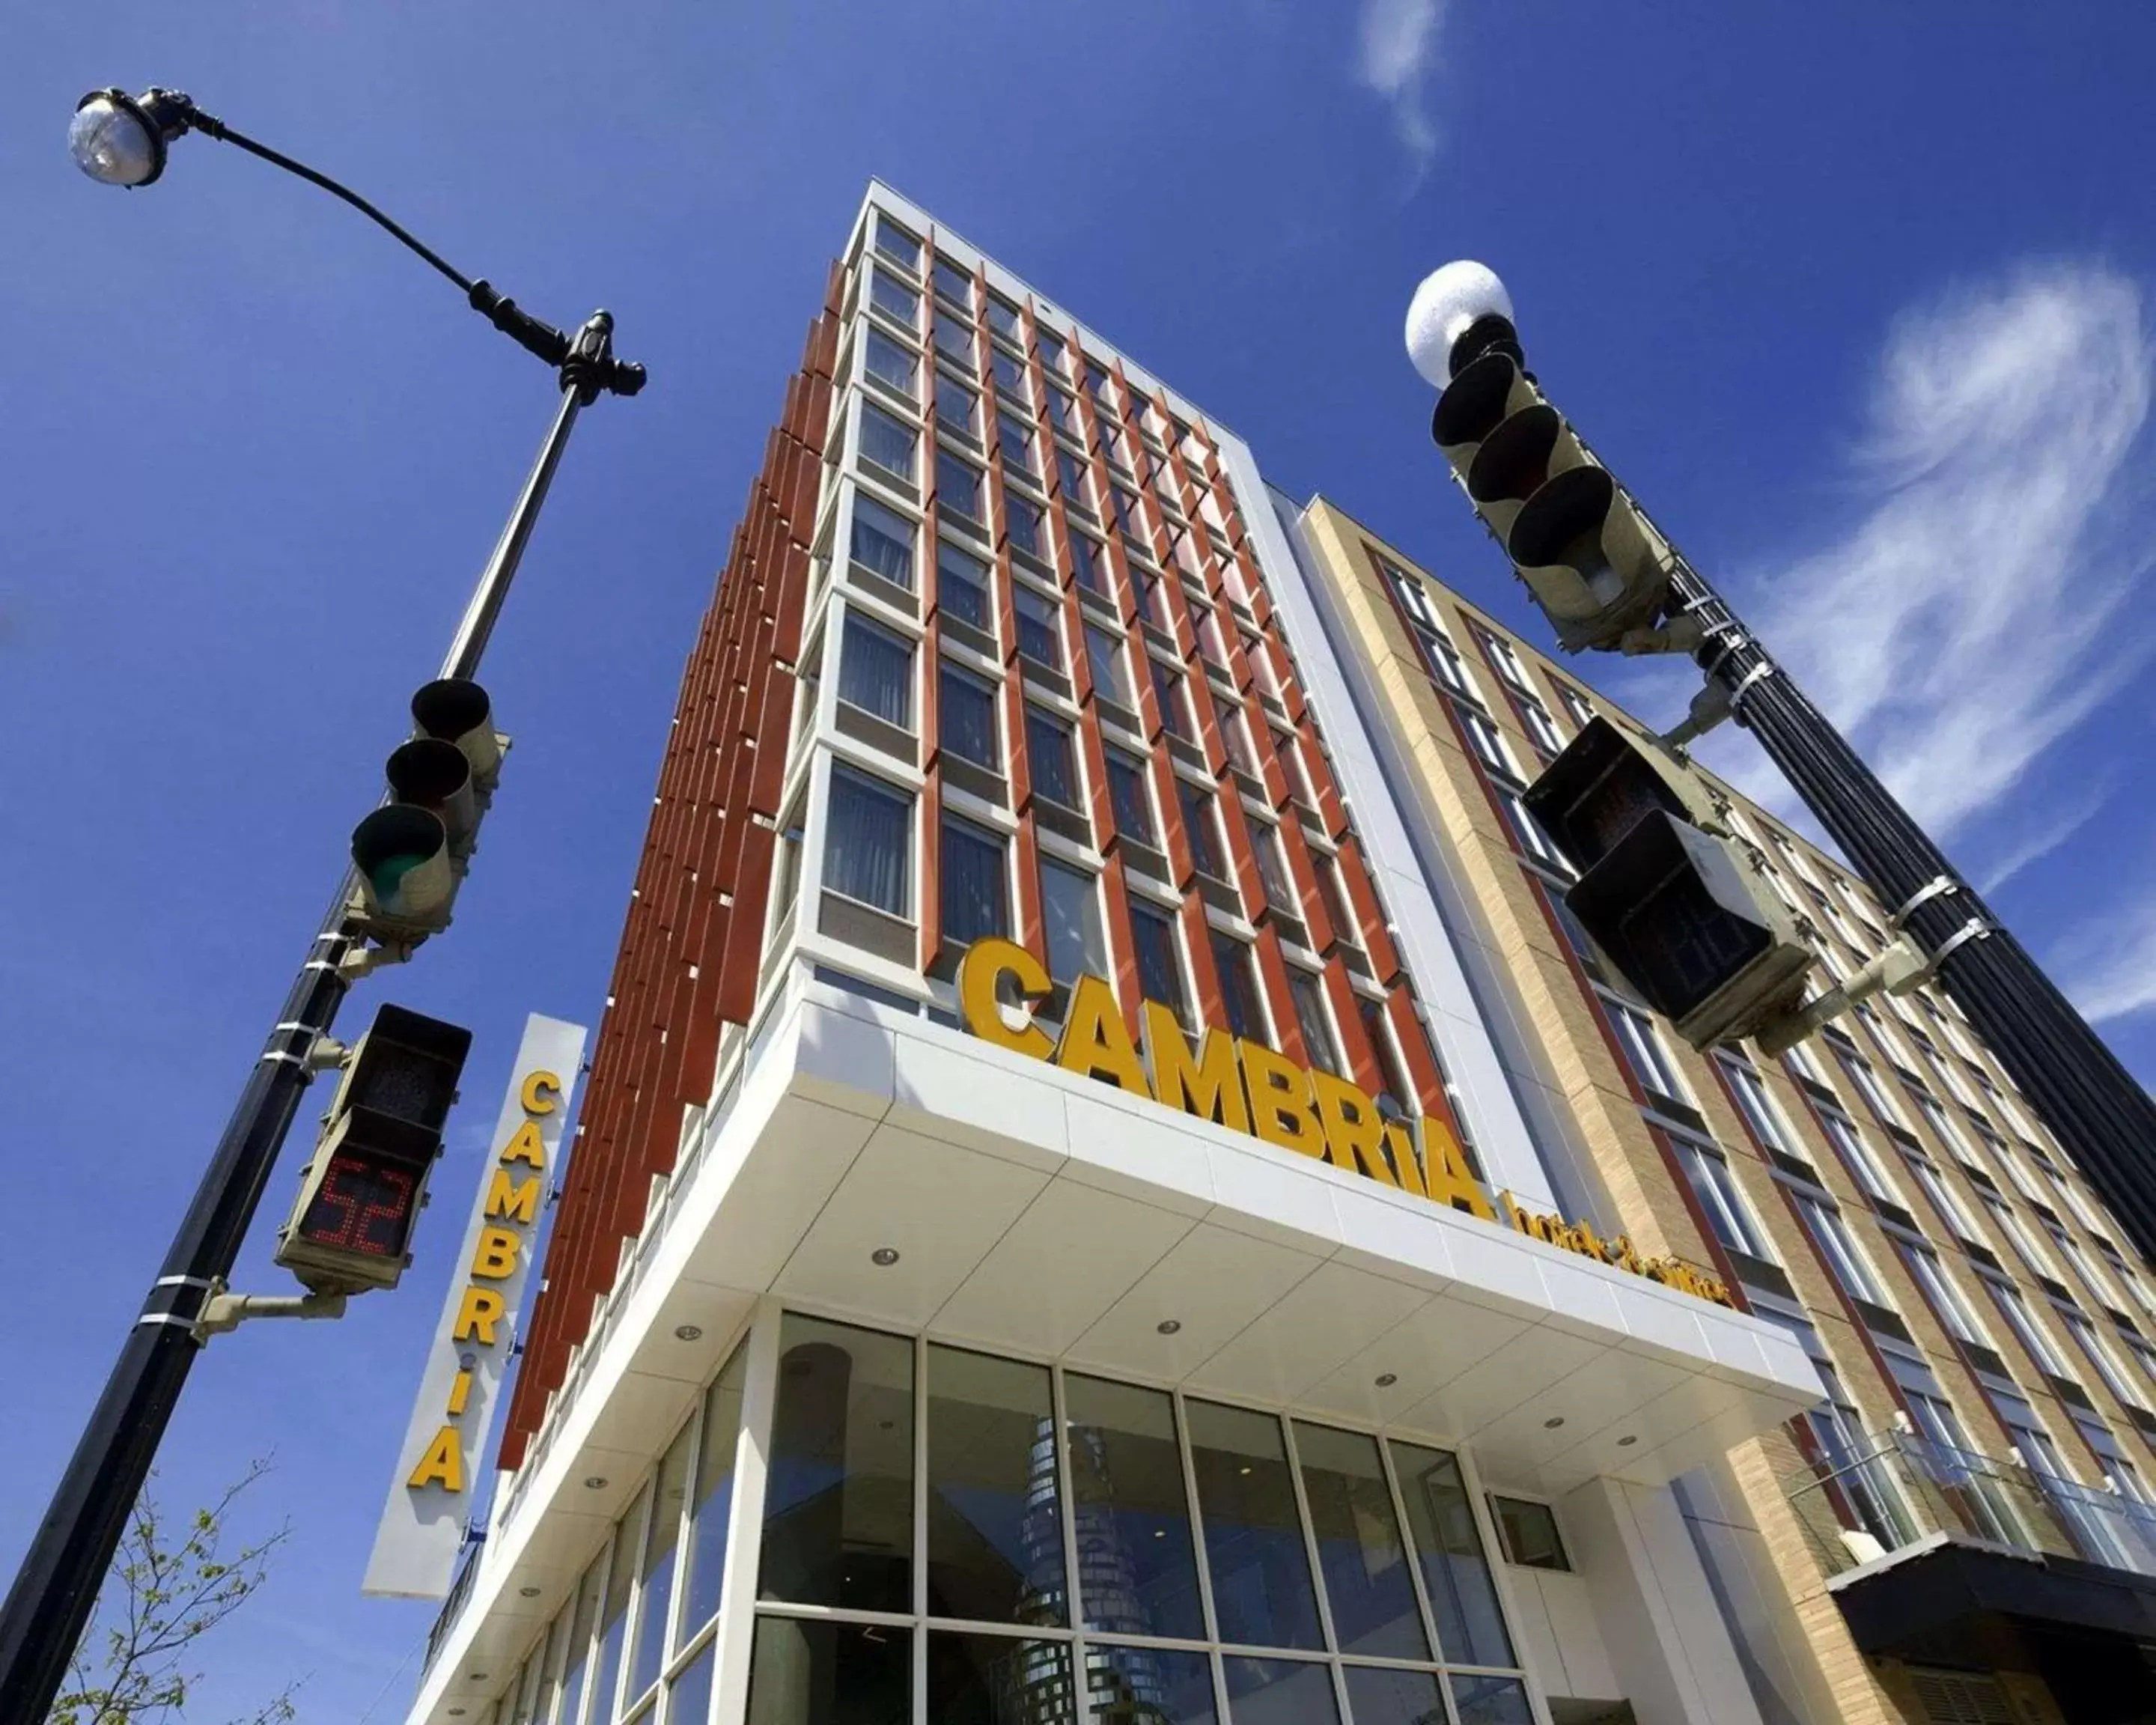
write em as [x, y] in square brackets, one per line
[1855, 297]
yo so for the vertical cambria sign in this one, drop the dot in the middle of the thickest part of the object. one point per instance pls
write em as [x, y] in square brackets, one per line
[430, 1500]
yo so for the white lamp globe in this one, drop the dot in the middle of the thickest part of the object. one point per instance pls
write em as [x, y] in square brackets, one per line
[113, 141]
[1449, 300]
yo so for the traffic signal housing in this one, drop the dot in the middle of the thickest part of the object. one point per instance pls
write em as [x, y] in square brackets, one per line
[362, 1191]
[1598, 570]
[411, 853]
[1680, 907]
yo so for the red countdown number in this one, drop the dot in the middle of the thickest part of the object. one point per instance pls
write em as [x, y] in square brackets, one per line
[360, 1206]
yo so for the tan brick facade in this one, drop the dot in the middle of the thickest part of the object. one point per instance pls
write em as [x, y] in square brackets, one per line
[1446, 676]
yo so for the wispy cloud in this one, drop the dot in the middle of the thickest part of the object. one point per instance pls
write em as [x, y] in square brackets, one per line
[1976, 613]
[1396, 48]
[2110, 965]
[2038, 831]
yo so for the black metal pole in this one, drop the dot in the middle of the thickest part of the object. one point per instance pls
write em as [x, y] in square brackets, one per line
[2102, 1116]
[49, 1605]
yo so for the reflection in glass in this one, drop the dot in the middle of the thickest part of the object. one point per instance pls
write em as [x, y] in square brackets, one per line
[998, 1680]
[613, 1623]
[1462, 1597]
[1360, 1552]
[688, 1696]
[1149, 1685]
[1253, 1548]
[838, 1519]
[580, 1640]
[657, 1595]
[1378, 1697]
[1279, 1692]
[995, 1526]
[707, 1557]
[805, 1673]
[1137, 1574]
[1491, 1701]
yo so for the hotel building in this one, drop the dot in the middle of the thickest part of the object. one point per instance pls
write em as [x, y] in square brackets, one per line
[1077, 1212]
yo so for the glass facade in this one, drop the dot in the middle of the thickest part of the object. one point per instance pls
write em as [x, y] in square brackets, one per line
[953, 1538]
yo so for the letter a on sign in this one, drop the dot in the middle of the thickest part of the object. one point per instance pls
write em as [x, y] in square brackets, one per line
[438, 1469]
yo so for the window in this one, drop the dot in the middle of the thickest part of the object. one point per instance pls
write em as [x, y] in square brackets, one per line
[1300, 789]
[2015, 1309]
[958, 486]
[1541, 726]
[1755, 1104]
[1054, 353]
[1022, 520]
[954, 284]
[1128, 799]
[1262, 1593]
[1212, 645]
[1127, 1491]
[1201, 824]
[1306, 995]
[966, 717]
[1040, 627]
[1486, 740]
[882, 541]
[1939, 1290]
[894, 363]
[1533, 840]
[1063, 413]
[1838, 1247]
[1159, 957]
[891, 443]
[1868, 1087]
[1236, 734]
[1935, 1116]
[2106, 1362]
[1643, 1048]
[954, 341]
[1174, 698]
[895, 243]
[1152, 599]
[1129, 519]
[1863, 1163]
[1273, 869]
[1362, 1550]
[1729, 1214]
[1527, 1533]
[1239, 987]
[1049, 756]
[868, 846]
[1005, 319]
[875, 671]
[2016, 1230]
[1011, 375]
[1949, 1207]
[1445, 664]
[1014, 438]
[894, 299]
[1339, 906]
[1414, 599]
[1077, 490]
[1085, 562]
[1577, 707]
[961, 586]
[1070, 911]
[956, 405]
[1104, 658]
[975, 890]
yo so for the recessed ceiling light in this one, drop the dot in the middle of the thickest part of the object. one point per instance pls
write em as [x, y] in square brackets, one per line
[476, 1676]
[595, 1482]
[456, 1712]
[527, 1592]
[688, 1332]
[1626, 1443]
[1386, 1380]
[1168, 1326]
[1243, 1470]
[883, 1257]
[1554, 1421]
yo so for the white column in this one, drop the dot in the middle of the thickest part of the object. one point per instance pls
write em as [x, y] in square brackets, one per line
[1659, 1618]
[736, 1635]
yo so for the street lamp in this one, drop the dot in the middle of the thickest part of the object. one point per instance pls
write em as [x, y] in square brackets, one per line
[122, 140]
[1521, 456]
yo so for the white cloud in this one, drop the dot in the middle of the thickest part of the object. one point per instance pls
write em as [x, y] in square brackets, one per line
[1977, 613]
[2115, 970]
[1397, 45]
[2040, 831]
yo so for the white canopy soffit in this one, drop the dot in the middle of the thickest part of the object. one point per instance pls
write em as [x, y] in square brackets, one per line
[1037, 1212]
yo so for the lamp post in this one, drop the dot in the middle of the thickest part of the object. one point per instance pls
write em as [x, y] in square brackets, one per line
[1460, 316]
[120, 139]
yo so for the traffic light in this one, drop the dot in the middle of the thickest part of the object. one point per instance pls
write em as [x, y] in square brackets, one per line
[411, 853]
[1589, 558]
[1680, 907]
[362, 1190]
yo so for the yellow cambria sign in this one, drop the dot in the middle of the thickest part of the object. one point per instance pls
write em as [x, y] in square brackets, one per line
[1245, 1085]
